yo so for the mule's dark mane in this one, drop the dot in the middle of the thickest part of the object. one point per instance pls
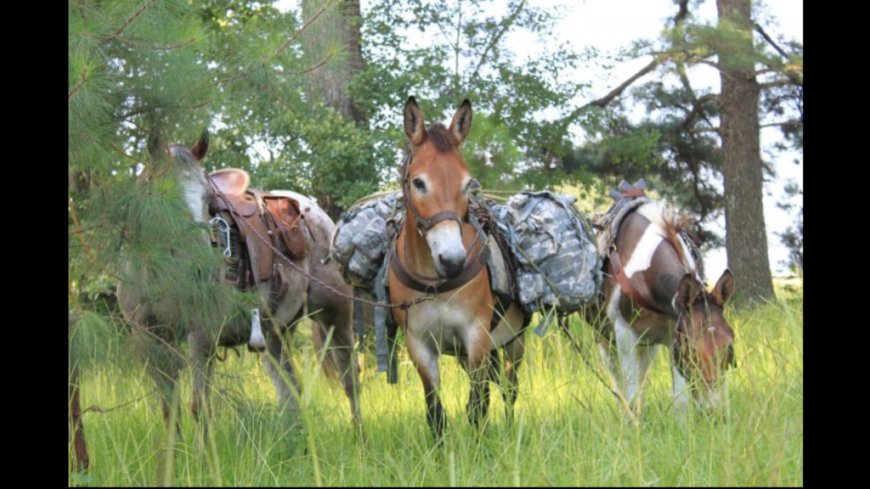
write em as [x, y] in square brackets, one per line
[441, 137]
[674, 225]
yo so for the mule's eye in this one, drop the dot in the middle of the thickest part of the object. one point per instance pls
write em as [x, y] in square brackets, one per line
[472, 185]
[419, 185]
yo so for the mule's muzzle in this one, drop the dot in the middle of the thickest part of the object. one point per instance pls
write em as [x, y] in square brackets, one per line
[452, 266]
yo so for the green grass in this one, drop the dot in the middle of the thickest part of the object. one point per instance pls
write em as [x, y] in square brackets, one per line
[568, 429]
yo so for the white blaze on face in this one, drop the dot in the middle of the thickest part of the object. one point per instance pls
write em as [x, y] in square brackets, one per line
[445, 241]
[195, 192]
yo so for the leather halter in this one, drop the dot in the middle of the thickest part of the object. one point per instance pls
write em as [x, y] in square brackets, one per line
[473, 262]
[424, 224]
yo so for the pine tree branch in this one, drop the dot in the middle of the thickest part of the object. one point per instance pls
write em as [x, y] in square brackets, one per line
[86, 229]
[140, 44]
[708, 63]
[156, 47]
[684, 79]
[697, 104]
[776, 83]
[695, 170]
[78, 84]
[132, 18]
[314, 67]
[298, 33]
[109, 143]
[506, 24]
[657, 60]
[145, 109]
[789, 124]
[605, 100]
[796, 79]
[77, 224]
[282, 48]
[765, 71]
[769, 40]
[697, 108]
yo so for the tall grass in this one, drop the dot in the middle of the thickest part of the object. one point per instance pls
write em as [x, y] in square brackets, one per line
[568, 429]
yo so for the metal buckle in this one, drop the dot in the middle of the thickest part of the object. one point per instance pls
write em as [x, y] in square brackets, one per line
[220, 225]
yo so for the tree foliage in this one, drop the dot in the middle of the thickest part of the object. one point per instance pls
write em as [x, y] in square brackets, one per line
[676, 143]
[149, 71]
[466, 55]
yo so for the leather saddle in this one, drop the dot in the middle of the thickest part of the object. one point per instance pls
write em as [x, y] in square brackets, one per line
[264, 222]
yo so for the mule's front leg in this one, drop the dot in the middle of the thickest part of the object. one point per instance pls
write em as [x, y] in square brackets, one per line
[426, 361]
[202, 362]
[513, 356]
[634, 361]
[163, 363]
[680, 391]
[343, 356]
[280, 369]
[477, 366]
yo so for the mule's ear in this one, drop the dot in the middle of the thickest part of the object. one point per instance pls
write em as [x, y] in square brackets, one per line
[414, 128]
[200, 147]
[461, 125]
[724, 288]
[156, 145]
[687, 291]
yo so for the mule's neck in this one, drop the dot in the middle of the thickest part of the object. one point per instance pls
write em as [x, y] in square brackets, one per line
[660, 248]
[666, 286]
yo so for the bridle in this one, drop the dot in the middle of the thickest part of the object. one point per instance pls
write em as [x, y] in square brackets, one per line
[473, 261]
[731, 360]
[424, 224]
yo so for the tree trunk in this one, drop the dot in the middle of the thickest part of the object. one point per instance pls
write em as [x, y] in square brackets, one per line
[81, 463]
[334, 38]
[746, 239]
[338, 28]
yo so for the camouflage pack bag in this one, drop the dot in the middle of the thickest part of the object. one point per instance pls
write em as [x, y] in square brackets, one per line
[559, 266]
[362, 236]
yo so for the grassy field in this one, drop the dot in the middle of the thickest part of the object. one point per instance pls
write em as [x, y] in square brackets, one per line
[568, 429]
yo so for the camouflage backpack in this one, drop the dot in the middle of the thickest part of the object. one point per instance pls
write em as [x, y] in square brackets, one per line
[362, 236]
[559, 266]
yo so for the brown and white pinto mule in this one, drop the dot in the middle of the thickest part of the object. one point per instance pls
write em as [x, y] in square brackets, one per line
[440, 254]
[654, 295]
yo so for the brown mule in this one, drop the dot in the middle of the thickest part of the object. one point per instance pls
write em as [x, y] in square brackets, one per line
[440, 254]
